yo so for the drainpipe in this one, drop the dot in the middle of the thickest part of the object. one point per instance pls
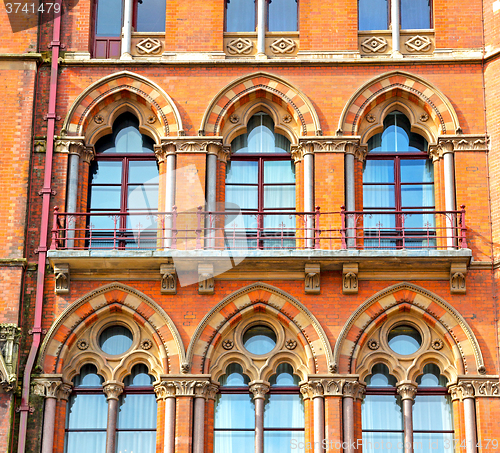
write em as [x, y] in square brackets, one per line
[46, 193]
[395, 28]
[261, 29]
[127, 31]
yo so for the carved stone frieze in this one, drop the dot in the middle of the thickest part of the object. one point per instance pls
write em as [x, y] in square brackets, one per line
[47, 386]
[283, 46]
[9, 346]
[149, 46]
[486, 386]
[206, 283]
[407, 391]
[329, 145]
[168, 279]
[418, 44]
[350, 279]
[454, 143]
[259, 389]
[374, 44]
[239, 46]
[61, 276]
[112, 390]
[457, 278]
[181, 386]
[312, 279]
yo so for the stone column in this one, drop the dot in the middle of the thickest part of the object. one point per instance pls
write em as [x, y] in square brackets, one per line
[467, 392]
[211, 194]
[309, 193]
[350, 193]
[259, 390]
[351, 391]
[317, 394]
[113, 390]
[261, 29]
[449, 191]
[166, 392]
[407, 392]
[202, 391]
[395, 28]
[127, 30]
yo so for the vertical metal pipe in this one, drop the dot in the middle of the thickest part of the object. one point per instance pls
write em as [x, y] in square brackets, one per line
[199, 425]
[169, 197]
[259, 425]
[127, 30]
[169, 441]
[211, 199]
[350, 200]
[449, 197]
[319, 423]
[395, 26]
[111, 426]
[309, 197]
[348, 421]
[72, 196]
[49, 421]
[408, 424]
[261, 27]
[470, 425]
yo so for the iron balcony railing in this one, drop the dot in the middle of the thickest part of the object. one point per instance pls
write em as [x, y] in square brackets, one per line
[269, 230]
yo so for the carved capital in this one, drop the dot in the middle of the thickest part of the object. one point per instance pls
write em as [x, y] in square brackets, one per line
[162, 151]
[212, 391]
[40, 145]
[70, 145]
[259, 389]
[466, 389]
[407, 391]
[297, 153]
[224, 153]
[457, 278]
[65, 391]
[47, 386]
[454, 391]
[112, 390]
[88, 154]
[350, 278]
[164, 390]
[206, 283]
[353, 389]
[317, 389]
[312, 279]
[61, 276]
[168, 279]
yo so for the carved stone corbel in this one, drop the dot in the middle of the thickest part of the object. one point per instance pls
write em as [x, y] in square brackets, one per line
[168, 279]
[9, 346]
[88, 154]
[206, 283]
[297, 153]
[457, 278]
[312, 279]
[350, 278]
[62, 278]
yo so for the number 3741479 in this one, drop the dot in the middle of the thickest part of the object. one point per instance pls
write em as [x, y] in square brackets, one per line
[32, 8]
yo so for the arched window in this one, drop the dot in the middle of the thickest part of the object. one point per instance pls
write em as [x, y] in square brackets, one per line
[398, 178]
[87, 412]
[283, 15]
[260, 179]
[381, 412]
[136, 429]
[123, 182]
[240, 16]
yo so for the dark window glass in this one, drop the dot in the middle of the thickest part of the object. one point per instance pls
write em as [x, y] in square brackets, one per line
[415, 14]
[404, 340]
[109, 18]
[115, 340]
[283, 15]
[373, 14]
[259, 340]
[240, 15]
[151, 15]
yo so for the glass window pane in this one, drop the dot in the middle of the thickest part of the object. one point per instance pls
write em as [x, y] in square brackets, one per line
[139, 377]
[259, 340]
[234, 376]
[88, 377]
[376, 196]
[243, 172]
[137, 412]
[234, 442]
[109, 18]
[416, 196]
[115, 340]
[145, 171]
[380, 377]
[151, 15]
[279, 197]
[415, 14]
[279, 171]
[381, 412]
[382, 442]
[404, 340]
[378, 221]
[422, 222]
[433, 442]
[87, 411]
[240, 15]
[128, 140]
[234, 411]
[136, 442]
[283, 15]
[284, 377]
[284, 411]
[243, 196]
[79, 442]
[432, 412]
[417, 170]
[432, 377]
[106, 172]
[142, 197]
[107, 197]
[378, 171]
[261, 134]
[283, 441]
[372, 14]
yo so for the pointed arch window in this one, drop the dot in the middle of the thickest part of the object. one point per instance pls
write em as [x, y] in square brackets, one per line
[260, 179]
[123, 183]
[398, 178]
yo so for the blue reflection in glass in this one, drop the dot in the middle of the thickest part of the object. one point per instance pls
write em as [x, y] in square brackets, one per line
[151, 15]
[115, 340]
[372, 15]
[259, 340]
[404, 340]
[415, 14]
[240, 15]
[283, 15]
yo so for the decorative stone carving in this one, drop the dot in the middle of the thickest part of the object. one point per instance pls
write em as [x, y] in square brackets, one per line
[82, 344]
[407, 391]
[350, 279]
[163, 150]
[283, 46]
[466, 389]
[148, 46]
[418, 44]
[240, 46]
[88, 154]
[47, 386]
[235, 119]
[73, 145]
[9, 345]
[476, 387]
[151, 119]
[457, 278]
[146, 344]
[40, 146]
[312, 279]
[373, 344]
[65, 391]
[290, 344]
[98, 119]
[165, 390]
[168, 279]
[287, 118]
[353, 389]
[374, 44]
[212, 391]
[316, 388]
[437, 344]
[424, 117]
[228, 345]
[224, 153]
[206, 284]
[455, 393]
[112, 390]
[61, 276]
[450, 144]
[259, 389]
[370, 118]
[487, 388]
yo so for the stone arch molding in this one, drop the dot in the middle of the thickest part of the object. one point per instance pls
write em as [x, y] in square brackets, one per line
[262, 301]
[297, 110]
[62, 348]
[93, 111]
[409, 301]
[364, 113]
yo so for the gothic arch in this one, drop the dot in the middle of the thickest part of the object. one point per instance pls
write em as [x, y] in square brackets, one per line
[271, 301]
[92, 112]
[261, 87]
[104, 302]
[364, 113]
[414, 302]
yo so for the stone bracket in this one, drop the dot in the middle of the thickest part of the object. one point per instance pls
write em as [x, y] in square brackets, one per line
[62, 278]
[9, 347]
[312, 279]
[168, 279]
[350, 282]
[458, 271]
[206, 283]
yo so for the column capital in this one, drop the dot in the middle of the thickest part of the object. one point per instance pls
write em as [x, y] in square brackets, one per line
[353, 389]
[88, 154]
[166, 148]
[47, 385]
[472, 386]
[407, 391]
[331, 144]
[112, 390]
[224, 153]
[259, 389]
[69, 145]
[452, 143]
[186, 385]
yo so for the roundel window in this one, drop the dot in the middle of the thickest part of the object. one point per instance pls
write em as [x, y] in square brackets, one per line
[404, 340]
[259, 340]
[115, 340]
